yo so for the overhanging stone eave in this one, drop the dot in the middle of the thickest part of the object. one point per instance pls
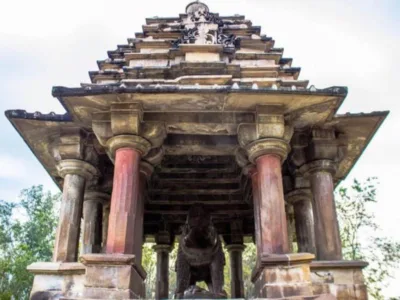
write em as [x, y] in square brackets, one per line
[44, 157]
[374, 119]
[304, 107]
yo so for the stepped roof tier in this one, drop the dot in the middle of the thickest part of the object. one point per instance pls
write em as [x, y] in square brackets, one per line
[195, 79]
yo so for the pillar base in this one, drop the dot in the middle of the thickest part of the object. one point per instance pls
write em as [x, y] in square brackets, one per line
[55, 279]
[281, 276]
[113, 276]
[342, 279]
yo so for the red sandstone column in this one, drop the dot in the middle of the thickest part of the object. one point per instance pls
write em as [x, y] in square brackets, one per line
[327, 237]
[256, 203]
[272, 217]
[124, 199]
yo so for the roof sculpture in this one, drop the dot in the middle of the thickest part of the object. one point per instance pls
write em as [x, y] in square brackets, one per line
[201, 76]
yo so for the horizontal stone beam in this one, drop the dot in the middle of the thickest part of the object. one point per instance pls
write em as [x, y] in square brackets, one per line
[172, 191]
[198, 170]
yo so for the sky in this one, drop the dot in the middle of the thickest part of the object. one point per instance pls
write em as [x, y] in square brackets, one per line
[356, 43]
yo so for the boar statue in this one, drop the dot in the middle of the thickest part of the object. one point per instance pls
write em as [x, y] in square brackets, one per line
[200, 257]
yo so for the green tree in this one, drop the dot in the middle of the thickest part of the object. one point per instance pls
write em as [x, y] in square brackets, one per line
[361, 236]
[27, 230]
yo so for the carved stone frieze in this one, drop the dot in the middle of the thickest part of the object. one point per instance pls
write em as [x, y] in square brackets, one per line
[204, 28]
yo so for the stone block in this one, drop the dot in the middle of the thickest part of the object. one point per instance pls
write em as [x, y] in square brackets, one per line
[113, 276]
[282, 276]
[342, 279]
[53, 280]
[105, 293]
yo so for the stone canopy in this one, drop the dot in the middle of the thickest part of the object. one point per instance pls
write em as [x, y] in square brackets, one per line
[189, 85]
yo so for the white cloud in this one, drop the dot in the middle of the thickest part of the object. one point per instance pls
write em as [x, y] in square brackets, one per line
[12, 168]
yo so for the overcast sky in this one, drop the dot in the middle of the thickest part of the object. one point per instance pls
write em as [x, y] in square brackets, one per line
[350, 43]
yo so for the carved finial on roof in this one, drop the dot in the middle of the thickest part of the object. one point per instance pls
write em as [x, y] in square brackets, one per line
[196, 6]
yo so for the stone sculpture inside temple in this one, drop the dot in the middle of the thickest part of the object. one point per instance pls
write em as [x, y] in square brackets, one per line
[200, 257]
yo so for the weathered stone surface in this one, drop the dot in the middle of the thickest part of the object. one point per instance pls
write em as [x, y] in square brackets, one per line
[93, 221]
[67, 237]
[124, 201]
[270, 214]
[342, 279]
[56, 279]
[237, 286]
[327, 237]
[113, 276]
[162, 276]
[303, 217]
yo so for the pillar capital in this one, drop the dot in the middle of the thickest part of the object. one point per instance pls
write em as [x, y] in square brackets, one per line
[97, 196]
[162, 248]
[298, 195]
[128, 141]
[265, 146]
[78, 167]
[235, 247]
[322, 165]
[268, 135]
[146, 169]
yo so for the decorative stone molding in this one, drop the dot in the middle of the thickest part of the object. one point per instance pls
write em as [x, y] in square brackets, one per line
[323, 165]
[269, 135]
[204, 28]
[162, 248]
[129, 141]
[126, 118]
[146, 169]
[235, 247]
[97, 196]
[78, 167]
[154, 156]
[298, 195]
[267, 146]
[122, 126]
[322, 145]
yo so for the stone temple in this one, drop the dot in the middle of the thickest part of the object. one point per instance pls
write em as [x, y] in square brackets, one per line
[204, 109]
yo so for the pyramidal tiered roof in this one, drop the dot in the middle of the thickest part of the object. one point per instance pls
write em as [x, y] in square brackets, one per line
[166, 53]
[198, 77]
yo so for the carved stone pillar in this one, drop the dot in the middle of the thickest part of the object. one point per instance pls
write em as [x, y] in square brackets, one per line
[290, 226]
[266, 144]
[303, 217]
[75, 174]
[127, 140]
[235, 254]
[93, 221]
[163, 248]
[104, 227]
[271, 215]
[125, 195]
[162, 282]
[327, 237]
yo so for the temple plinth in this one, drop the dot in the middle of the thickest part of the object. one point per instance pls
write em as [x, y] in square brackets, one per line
[198, 110]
